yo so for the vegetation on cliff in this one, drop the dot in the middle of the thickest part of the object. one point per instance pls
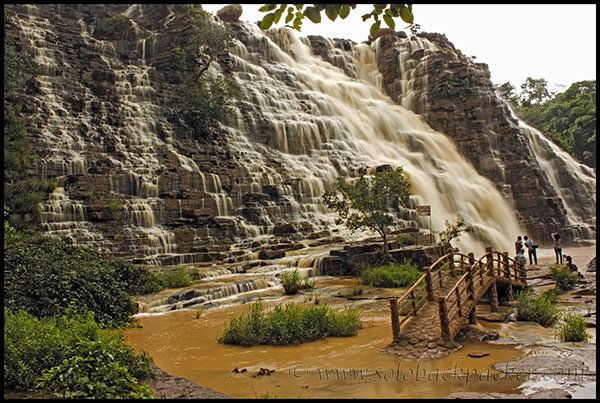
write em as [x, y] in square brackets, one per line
[568, 118]
[44, 277]
[206, 100]
[23, 191]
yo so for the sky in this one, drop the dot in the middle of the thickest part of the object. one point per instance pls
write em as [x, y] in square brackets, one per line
[556, 42]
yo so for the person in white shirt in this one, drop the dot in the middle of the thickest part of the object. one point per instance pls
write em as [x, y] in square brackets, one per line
[531, 248]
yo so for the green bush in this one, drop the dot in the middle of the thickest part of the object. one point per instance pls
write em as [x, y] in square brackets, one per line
[391, 275]
[179, 277]
[565, 278]
[71, 355]
[43, 276]
[404, 239]
[537, 308]
[96, 375]
[292, 282]
[572, 327]
[290, 324]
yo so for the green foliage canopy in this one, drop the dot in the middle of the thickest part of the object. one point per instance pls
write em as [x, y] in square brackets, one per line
[568, 118]
[453, 231]
[43, 276]
[72, 356]
[367, 204]
[295, 13]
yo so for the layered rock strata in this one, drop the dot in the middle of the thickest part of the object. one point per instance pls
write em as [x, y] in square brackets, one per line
[106, 122]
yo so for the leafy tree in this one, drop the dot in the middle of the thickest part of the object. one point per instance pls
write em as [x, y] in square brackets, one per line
[453, 231]
[535, 91]
[507, 91]
[367, 204]
[295, 13]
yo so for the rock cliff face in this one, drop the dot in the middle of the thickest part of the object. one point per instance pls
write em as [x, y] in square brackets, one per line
[105, 118]
[454, 95]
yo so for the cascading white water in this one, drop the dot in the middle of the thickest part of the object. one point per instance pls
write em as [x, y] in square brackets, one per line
[575, 183]
[324, 124]
[300, 123]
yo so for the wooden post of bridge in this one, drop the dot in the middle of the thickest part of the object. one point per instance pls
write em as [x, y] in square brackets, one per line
[445, 325]
[489, 261]
[395, 317]
[506, 270]
[521, 274]
[473, 316]
[429, 284]
[470, 283]
[494, 297]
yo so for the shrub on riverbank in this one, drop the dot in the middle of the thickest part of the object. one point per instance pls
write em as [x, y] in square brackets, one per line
[537, 308]
[565, 278]
[72, 356]
[572, 327]
[391, 275]
[290, 324]
[44, 276]
[292, 282]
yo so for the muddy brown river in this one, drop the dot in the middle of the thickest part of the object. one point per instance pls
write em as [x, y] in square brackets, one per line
[353, 367]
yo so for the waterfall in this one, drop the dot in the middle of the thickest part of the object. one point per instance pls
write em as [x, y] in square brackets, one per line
[575, 183]
[325, 123]
[102, 118]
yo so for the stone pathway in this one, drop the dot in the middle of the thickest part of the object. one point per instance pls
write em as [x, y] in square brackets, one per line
[422, 336]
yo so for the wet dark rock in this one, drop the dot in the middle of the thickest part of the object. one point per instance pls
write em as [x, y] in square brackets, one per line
[591, 266]
[478, 355]
[545, 394]
[165, 386]
[544, 365]
[271, 254]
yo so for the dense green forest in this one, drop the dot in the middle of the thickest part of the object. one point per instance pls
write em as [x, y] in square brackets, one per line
[568, 118]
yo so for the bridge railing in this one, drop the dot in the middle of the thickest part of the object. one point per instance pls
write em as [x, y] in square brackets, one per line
[423, 290]
[492, 264]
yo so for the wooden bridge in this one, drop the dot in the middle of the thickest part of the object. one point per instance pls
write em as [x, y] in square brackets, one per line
[430, 314]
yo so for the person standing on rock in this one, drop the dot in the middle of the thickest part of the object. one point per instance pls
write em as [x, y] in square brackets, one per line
[557, 246]
[531, 248]
[518, 244]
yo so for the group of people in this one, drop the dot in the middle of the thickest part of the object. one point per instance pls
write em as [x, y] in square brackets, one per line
[532, 249]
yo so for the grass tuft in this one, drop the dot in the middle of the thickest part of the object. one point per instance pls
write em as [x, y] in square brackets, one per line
[290, 324]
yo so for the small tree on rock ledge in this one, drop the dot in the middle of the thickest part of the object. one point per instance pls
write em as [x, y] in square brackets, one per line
[366, 204]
